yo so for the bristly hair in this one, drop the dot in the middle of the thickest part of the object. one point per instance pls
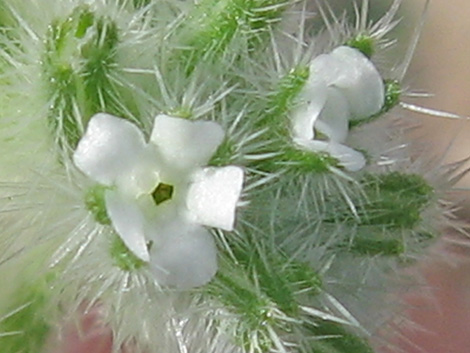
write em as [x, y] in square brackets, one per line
[316, 247]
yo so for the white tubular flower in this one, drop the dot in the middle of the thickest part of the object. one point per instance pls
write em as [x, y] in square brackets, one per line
[160, 192]
[343, 86]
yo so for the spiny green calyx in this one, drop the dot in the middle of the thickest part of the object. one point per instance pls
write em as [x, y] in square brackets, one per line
[391, 202]
[393, 93]
[294, 159]
[332, 337]
[183, 112]
[95, 203]
[364, 43]
[282, 100]
[279, 277]
[123, 257]
[213, 24]
[259, 285]
[254, 309]
[224, 154]
[78, 56]
[370, 245]
[395, 200]
[25, 329]
[99, 53]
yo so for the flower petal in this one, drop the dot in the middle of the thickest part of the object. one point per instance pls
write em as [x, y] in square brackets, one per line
[312, 99]
[349, 158]
[212, 197]
[108, 148]
[329, 68]
[356, 76]
[186, 144]
[142, 177]
[364, 88]
[129, 223]
[184, 255]
[334, 118]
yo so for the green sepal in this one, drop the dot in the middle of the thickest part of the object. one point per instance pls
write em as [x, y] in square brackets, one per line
[122, 257]
[99, 55]
[298, 160]
[79, 56]
[253, 309]
[283, 100]
[390, 201]
[395, 200]
[95, 203]
[224, 154]
[374, 246]
[258, 283]
[331, 337]
[393, 91]
[364, 43]
[213, 24]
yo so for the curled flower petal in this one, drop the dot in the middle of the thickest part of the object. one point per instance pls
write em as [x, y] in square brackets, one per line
[142, 177]
[109, 148]
[329, 68]
[186, 144]
[356, 76]
[128, 221]
[311, 102]
[343, 85]
[349, 158]
[213, 195]
[334, 118]
[184, 255]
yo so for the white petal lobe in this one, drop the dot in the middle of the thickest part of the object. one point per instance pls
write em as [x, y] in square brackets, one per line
[185, 256]
[356, 76]
[213, 195]
[186, 144]
[109, 148]
[334, 118]
[311, 102]
[128, 221]
[329, 68]
[142, 177]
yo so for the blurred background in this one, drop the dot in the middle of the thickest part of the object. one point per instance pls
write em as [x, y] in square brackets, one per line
[441, 66]
[439, 311]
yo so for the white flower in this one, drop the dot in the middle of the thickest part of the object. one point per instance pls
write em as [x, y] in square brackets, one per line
[160, 192]
[343, 86]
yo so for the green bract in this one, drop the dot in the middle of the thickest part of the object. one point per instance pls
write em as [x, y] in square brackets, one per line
[79, 56]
